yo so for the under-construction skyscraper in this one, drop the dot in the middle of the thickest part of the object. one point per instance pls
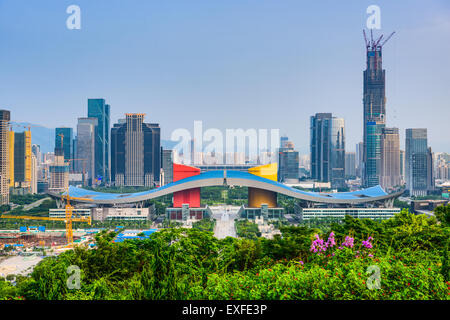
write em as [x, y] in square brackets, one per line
[374, 101]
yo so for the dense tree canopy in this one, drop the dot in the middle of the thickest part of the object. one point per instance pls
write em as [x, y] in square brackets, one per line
[410, 252]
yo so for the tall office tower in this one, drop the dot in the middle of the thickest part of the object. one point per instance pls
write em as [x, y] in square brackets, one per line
[22, 160]
[59, 173]
[288, 163]
[5, 117]
[97, 108]
[430, 173]
[374, 117]
[402, 166]
[167, 166]
[328, 149]
[350, 164]
[390, 159]
[85, 148]
[135, 152]
[359, 159]
[416, 159]
[64, 140]
[34, 174]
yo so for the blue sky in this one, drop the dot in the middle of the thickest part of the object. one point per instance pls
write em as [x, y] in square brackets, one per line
[231, 63]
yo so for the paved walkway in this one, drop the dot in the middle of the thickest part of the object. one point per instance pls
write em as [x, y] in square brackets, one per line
[224, 216]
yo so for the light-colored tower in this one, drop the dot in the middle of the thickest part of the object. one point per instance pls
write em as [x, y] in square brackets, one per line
[390, 158]
[5, 116]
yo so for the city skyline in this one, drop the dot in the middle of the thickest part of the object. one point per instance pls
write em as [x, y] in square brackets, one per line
[161, 86]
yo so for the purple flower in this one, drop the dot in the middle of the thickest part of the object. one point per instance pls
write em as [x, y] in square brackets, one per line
[318, 245]
[367, 243]
[348, 242]
[331, 242]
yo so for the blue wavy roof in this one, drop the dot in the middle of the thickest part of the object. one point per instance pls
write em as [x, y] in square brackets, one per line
[372, 192]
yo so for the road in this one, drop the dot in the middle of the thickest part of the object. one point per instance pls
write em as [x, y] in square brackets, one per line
[224, 216]
[35, 204]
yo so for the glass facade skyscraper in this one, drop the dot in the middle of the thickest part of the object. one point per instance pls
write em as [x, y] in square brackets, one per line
[417, 155]
[374, 101]
[97, 108]
[85, 148]
[135, 152]
[288, 161]
[327, 147]
[372, 153]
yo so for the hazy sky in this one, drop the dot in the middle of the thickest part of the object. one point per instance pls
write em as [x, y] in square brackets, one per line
[231, 63]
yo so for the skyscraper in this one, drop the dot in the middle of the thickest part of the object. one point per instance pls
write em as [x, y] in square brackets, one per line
[374, 118]
[288, 162]
[359, 159]
[350, 164]
[327, 147]
[167, 166]
[135, 152]
[417, 156]
[85, 148]
[22, 160]
[97, 108]
[5, 117]
[59, 173]
[64, 140]
[390, 159]
[402, 166]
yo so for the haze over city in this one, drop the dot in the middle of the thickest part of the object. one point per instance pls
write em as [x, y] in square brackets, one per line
[238, 64]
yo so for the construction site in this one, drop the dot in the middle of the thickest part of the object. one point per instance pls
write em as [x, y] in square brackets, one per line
[32, 237]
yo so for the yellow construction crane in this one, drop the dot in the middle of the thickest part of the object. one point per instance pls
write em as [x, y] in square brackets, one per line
[68, 219]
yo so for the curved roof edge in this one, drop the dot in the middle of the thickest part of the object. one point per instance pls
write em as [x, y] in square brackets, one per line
[230, 177]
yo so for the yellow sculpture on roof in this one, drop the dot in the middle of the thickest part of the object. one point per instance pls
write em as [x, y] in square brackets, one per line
[268, 171]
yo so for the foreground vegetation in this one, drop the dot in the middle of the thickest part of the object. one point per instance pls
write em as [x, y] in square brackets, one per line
[408, 254]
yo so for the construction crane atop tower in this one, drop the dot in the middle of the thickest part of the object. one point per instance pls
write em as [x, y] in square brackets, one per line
[374, 45]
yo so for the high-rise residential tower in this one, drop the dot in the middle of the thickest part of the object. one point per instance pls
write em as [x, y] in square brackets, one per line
[135, 152]
[390, 175]
[22, 160]
[5, 117]
[328, 149]
[374, 101]
[97, 108]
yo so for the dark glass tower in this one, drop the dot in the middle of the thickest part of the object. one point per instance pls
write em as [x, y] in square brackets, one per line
[97, 108]
[374, 100]
[328, 149]
[418, 162]
[135, 152]
[65, 135]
